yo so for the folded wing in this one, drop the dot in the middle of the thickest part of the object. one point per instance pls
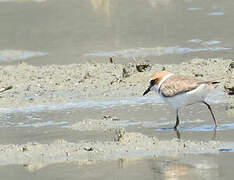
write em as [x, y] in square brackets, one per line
[178, 84]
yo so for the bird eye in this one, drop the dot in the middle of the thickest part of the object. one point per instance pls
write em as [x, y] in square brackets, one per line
[152, 82]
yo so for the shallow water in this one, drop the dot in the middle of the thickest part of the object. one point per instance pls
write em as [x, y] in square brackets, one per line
[139, 116]
[216, 97]
[163, 32]
[210, 167]
[147, 118]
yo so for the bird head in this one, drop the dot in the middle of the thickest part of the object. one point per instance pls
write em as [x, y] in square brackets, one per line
[155, 80]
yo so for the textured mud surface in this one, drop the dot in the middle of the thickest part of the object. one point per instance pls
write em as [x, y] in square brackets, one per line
[25, 86]
[125, 145]
[59, 84]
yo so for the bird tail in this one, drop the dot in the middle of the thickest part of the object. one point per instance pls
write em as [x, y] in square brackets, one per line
[211, 83]
[215, 82]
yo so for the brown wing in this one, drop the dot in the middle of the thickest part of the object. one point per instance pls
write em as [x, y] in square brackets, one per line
[178, 84]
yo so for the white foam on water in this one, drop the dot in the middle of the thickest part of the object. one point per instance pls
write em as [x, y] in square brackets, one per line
[157, 51]
[211, 42]
[34, 124]
[216, 14]
[40, 124]
[38, 1]
[194, 9]
[13, 55]
[195, 40]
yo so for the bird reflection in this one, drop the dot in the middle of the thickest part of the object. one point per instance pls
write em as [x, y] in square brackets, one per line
[103, 6]
[107, 6]
[159, 3]
[34, 167]
[213, 137]
[176, 171]
[177, 133]
[170, 169]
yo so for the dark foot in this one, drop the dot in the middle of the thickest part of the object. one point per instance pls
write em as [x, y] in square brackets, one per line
[177, 120]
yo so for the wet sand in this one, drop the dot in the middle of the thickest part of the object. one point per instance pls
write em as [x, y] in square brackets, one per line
[61, 87]
[124, 145]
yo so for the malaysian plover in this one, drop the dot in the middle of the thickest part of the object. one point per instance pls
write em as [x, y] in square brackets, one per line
[179, 91]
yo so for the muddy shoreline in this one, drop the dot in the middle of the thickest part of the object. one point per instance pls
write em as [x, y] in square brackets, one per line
[61, 84]
[47, 86]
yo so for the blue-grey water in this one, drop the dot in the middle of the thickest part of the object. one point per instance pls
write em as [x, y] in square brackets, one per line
[161, 31]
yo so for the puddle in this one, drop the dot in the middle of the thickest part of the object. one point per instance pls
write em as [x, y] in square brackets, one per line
[194, 9]
[211, 42]
[221, 127]
[204, 43]
[85, 104]
[128, 123]
[213, 98]
[150, 124]
[95, 124]
[35, 124]
[216, 14]
[195, 40]
[157, 51]
[33, 118]
[227, 150]
[13, 55]
[38, 1]
[36, 120]
[19, 120]
[40, 124]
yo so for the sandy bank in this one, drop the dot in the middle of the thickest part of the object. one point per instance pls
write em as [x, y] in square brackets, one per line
[125, 145]
[58, 84]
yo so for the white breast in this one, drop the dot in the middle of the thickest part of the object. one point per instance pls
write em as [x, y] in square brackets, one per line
[197, 95]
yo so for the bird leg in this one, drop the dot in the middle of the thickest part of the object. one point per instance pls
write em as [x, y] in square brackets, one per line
[177, 119]
[212, 114]
[177, 133]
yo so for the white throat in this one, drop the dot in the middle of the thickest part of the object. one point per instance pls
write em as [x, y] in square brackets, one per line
[162, 81]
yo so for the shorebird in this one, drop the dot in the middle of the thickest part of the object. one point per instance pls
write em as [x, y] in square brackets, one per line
[180, 91]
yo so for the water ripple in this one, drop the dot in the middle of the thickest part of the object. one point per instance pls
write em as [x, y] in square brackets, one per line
[213, 98]
[221, 127]
[12, 55]
[157, 51]
[216, 14]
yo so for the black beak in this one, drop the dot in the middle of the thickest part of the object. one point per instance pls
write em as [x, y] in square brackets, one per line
[152, 83]
[147, 90]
